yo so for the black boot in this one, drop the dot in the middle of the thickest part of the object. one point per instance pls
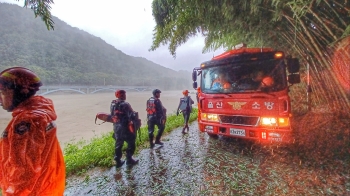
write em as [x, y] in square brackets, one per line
[131, 161]
[151, 144]
[119, 163]
[183, 130]
[158, 141]
[159, 135]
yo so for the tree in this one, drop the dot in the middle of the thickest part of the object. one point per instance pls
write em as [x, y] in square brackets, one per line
[41, 8]
[304, 28]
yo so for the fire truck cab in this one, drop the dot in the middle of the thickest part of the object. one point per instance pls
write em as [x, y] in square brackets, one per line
[243, 93]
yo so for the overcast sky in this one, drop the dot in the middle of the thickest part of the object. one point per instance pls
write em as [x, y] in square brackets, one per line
[127, 25]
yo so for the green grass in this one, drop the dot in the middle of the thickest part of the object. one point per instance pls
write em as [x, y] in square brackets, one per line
[99, 151]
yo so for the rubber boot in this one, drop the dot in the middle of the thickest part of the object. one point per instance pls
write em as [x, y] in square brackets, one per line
[159, 135]
[151, 144]
[130, 161]
[158, 141]
[183, 130]
[119, 163]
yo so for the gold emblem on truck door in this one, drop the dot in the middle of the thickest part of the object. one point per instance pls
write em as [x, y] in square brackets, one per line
[237, 105]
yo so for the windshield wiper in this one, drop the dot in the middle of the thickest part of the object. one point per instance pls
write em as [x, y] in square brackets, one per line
[220, 97]
[261, 96]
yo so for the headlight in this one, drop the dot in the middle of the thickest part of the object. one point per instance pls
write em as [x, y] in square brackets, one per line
[209, 117]
[268, 121]
[278, 55]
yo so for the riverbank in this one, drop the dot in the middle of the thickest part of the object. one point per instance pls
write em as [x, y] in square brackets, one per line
[76, 112]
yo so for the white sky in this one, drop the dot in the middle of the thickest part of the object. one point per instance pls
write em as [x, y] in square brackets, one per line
[127, 25]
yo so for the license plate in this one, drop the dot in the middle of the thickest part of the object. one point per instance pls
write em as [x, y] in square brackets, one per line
[275, 139]
[209, 129]
[239, 132]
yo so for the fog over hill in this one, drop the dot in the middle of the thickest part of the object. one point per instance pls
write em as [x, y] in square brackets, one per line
[71, 56]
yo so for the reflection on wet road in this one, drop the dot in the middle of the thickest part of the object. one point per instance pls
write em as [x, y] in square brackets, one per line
[195, 164]
[191, 164]
[175, 169]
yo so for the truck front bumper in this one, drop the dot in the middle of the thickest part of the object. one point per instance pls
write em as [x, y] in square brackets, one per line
[273, 134]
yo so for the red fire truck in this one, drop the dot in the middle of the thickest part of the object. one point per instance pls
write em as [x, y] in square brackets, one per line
[243, 93]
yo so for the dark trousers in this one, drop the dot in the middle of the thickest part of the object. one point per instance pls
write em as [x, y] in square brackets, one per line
[121, 135]
[152, 121]
[186, 115]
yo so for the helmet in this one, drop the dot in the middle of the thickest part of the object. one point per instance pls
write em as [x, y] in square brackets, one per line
[20, 78]
[155, 91]
[185, 92]
[227, 85]
[267, 82]
[118, 92]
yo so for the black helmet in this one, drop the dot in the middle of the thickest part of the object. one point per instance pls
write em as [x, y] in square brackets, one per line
[156, 91]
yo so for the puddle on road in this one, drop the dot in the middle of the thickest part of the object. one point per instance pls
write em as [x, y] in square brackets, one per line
[189, 164]
[195, 164]
[174, 169]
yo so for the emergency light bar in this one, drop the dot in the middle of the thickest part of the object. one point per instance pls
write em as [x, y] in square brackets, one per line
[241, 45]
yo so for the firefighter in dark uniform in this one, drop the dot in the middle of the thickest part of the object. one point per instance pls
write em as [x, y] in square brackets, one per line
[123, 129]
[156, 115]
[185, 106]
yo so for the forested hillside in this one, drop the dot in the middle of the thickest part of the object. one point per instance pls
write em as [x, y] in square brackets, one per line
[70, 56]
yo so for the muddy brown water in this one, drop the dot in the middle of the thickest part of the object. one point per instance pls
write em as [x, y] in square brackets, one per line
[76, 112]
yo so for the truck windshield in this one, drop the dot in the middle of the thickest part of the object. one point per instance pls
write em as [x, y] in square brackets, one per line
[252, 76]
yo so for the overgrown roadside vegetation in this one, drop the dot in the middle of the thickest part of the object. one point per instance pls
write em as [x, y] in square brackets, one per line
[99, 151]
[322, 132]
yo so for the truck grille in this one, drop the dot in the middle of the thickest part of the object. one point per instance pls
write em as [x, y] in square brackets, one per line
[239, 120]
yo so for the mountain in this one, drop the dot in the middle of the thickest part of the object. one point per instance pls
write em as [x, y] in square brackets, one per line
[69, 55]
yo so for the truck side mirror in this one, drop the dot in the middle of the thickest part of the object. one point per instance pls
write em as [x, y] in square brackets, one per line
[194, 76]
[293, 65]
[294, 78]
[194, 85]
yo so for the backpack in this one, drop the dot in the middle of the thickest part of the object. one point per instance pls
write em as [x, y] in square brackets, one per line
[151, 107]
[115, 108]
[136, 122]
[189, 106]
[185, 104]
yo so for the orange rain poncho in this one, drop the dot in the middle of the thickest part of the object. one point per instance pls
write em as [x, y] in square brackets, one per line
[31, 160]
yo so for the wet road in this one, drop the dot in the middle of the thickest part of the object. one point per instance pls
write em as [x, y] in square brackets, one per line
[195, 164]
[173, 169]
